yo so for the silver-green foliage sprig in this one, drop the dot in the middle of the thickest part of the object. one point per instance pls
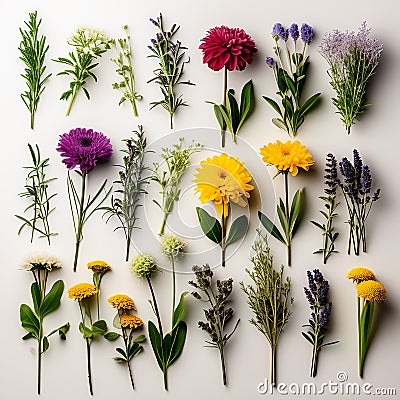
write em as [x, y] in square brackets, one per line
[268, 297]
[126, 199]
[171, 62]
[33, 51]
[125, 71]
[36, 193]
[176, 160]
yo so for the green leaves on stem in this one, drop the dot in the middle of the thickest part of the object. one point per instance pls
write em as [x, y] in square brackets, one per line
[216, 231]
[33, 51]
[231, 115]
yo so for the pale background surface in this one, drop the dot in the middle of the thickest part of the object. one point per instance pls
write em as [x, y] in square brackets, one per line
[197, 373]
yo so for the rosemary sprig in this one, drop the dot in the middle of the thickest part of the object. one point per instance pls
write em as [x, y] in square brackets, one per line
[33, 51]
[176, 160]
[36, 192]
[126, 200]
[170, 71]
[125, 71]
[268, 297]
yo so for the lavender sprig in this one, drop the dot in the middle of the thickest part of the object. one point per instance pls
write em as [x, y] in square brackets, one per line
[328, 231]
[317, 296]
[356, 186]
[168, 75]
[352, 58]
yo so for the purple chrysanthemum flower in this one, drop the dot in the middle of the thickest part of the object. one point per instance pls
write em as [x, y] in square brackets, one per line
[270, 62]
[307, 33]
[294, 31]
[84, 148]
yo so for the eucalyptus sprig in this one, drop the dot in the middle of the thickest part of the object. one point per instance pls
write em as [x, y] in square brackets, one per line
[125, 71]
[218, 315]
[89, 45]
[36, 186]
[33, 51]
[268, 297]
[126, 199]
[171, 58]
[176, 160]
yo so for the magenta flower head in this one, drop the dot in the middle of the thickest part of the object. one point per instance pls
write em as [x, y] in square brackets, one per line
[84, 147]
[227, 47]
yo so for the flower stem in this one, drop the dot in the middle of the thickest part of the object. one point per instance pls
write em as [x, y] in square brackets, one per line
[134, 108]
[166, 379]
[130, 375]
[32, 119]
[223, 129]
[39, 365]
[223, 234]
[89, 369]
[314, 363]
[74, 92]
[287, 211]
[272, 371]
[157, 312]
[163, 222]
[221, 352]
[80, 221]
[173, 284]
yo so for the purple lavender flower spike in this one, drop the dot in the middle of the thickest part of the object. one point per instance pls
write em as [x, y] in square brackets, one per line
[307, 33]
[154, 22]
[276, 29]
[294, 31]
[270, 62]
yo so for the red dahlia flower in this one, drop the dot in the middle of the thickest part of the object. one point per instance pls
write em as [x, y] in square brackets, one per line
[227, 47]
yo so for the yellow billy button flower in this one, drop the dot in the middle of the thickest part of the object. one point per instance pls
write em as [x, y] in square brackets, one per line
[130, 321]
[122, 301]
[361, 274]
[82, 291]
[223, 179]
[99, 266]
[372, 291]
[287, 157]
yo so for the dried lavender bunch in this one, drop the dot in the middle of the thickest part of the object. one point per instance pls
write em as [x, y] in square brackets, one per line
[126, 199]
[217, 315]
[33, 51]
[125, 71]
[352, 58]
[268, 297]
[176, 160]
[356, 187]
[168, 75]
[317, 296]
[328, 231]
[36, 186]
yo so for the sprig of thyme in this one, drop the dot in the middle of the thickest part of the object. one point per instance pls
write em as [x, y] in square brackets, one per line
[125, 71]
[36, 192]
[33, 53]
[126, 199]
[218, 315]
[268, 297]
[170, 71]
[176, 160]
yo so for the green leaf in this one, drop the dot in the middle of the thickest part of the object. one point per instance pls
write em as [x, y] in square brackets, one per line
[86, 332]
[322, 227]
[111, 336]
[307, 338]
[237, 230]
[270, 227]
[134, 350]
[99, 327]
[28, 336]
[233, 111]
[273, 104]
[119, 360]
[179, 311]
[62, 331]
[29, 320]
[310, 104]
[295, 210]
[117, 322]
[280, 124]
[139, 339]
[247, 103]
[178, 336]
[121, 351]
[280, 208]
[210, 225]
[36, 297]
[218, 115]
[156, 344]
[46, 344]
[52, 300]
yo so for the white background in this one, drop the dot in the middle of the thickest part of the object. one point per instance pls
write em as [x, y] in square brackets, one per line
[197, 373]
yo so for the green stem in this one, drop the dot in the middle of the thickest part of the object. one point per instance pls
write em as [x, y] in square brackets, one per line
[221, 352]
[74, 93]
[223, 129]
[173, 284]
[171, 120]
[32, 119]
[163, 222]
[287, 212]
[135, 113]
[314, 363]
[89, 369]
[78, 236]
[223, 234]
[157, 312]
[272, 371]
[39, 372]
[359, 331]
[166, 379]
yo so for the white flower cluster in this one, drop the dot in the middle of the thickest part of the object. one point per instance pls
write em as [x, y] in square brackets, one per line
[90, 41]
[41, 261]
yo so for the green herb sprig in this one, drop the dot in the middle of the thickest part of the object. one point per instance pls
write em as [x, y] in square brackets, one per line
[168, 75]
[33, 51]
[125, 71]
[36, 186]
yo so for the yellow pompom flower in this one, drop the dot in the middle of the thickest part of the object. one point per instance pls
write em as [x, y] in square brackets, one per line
[99, 266]
[122, 301]
[372, 291]
[82, 291]
[130, 321]
[287, 157]
[361, 274]
[223, 179]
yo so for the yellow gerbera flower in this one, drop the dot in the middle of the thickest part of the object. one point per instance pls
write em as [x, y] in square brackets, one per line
[289, 156]
[81, 291]
[130, 321]
[372, 291]
[99, 266]
[222, 179]
[360, 274]
[122, 301]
